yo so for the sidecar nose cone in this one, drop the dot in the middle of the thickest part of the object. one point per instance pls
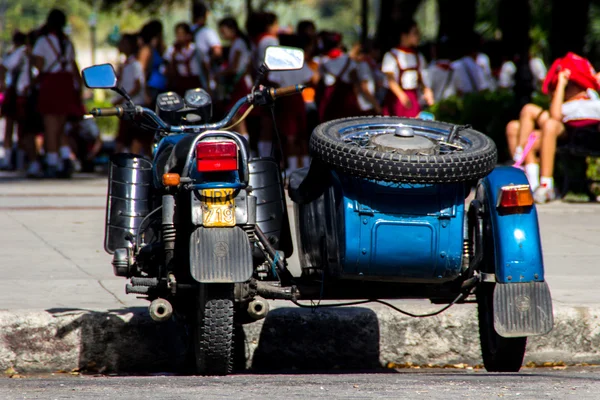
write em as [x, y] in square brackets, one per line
[404, 131]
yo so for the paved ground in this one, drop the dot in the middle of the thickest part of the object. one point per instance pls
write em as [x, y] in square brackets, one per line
[438, 384]
[52, 256]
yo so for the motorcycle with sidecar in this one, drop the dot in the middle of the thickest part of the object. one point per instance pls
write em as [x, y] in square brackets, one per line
[202, 229]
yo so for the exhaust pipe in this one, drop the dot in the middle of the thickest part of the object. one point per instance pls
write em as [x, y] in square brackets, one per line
[160, 310]
[258, 309]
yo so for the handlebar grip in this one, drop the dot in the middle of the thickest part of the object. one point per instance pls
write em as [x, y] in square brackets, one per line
[108, 112]
[286, 91]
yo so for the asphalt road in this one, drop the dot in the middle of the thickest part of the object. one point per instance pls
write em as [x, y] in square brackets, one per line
[576, 383]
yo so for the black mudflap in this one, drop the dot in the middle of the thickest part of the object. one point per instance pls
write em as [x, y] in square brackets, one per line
[522, 309]
[220, 255]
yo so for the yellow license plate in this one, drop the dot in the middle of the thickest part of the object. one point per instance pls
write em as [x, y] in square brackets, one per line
[218, 207]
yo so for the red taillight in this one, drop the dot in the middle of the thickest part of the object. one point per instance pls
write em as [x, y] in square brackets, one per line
[515, 196]
[216, 156]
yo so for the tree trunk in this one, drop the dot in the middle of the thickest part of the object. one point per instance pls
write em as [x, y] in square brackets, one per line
[457, 18]
[570, 20]
[514, 20]
[391, 12]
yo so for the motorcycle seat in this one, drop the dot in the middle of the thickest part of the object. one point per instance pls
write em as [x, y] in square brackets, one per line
[309, 183]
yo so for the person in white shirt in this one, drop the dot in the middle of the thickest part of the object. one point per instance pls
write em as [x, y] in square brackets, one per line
[13, 64]
[370, 78]
[262, 29]
[442, 77]
[337, 97]
[206, 39]
[405, 69]
[290, 111]
[236, 75]
[133, 80]
[483, 61]
[184, 65]
[54, 57]
[470, 76]
[19, 65]
[207, 43]
[508, 71]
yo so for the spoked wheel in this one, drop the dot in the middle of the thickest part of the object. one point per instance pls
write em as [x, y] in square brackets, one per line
[404, 150]
[500, 354]
[213, 329]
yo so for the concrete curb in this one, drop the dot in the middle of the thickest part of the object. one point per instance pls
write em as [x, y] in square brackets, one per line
[289, 338]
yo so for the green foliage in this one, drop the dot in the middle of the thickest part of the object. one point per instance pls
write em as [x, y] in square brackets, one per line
[107, 125]
[487, 112]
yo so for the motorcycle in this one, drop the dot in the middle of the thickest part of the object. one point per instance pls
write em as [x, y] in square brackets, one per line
[202, 230]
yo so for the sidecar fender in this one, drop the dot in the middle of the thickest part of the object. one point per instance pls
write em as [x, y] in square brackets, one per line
[516, 236]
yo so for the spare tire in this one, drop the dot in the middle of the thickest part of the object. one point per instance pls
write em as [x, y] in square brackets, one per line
[403, 150]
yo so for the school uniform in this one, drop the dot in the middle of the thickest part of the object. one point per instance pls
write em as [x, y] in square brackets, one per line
[18, 65]
[259, 48]
[205, 39]
[338, 98]
[483, 61]
[470, 76]
[130, 73]
[582, 112]
[186, 68]
[241, 82]
[409, 70]
[58, 77]
[443, 79]
[291, 110]
[367, 72]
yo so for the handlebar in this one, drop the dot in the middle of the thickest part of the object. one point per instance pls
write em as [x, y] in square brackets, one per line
[286, 91]
[259, 97]
[117, 111]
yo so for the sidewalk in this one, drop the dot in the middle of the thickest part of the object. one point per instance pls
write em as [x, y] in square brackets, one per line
[52, 258]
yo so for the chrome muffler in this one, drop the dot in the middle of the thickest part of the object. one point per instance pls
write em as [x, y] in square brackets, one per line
[160, 310]
[258, 308]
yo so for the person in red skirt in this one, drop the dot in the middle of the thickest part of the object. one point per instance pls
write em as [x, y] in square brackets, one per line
[337, 91]
[59, 91]
[13, 64]
[405, 70]
[184, 65]
[235, 74]
[263, 29]
[132, 78]
[291, 116]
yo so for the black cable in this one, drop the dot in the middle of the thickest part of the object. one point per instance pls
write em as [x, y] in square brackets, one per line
[355, 303]
[278, 142]
[137, 234]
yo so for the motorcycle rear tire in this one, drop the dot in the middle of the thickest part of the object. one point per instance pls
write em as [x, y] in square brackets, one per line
[473, 163]
[499, 354]
[213, 329]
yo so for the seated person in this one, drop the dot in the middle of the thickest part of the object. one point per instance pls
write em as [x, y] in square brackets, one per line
[574, 103]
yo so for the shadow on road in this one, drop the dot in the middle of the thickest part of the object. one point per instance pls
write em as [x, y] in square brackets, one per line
[289, 340]
[126, 341]
[325, 339]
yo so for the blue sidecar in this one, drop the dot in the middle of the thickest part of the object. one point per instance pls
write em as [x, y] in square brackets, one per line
[381, 213]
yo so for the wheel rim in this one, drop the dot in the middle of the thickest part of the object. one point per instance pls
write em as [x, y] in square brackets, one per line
[365, 136]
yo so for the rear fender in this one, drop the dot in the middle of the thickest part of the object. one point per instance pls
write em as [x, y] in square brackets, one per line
[516, 237]
[220, 255]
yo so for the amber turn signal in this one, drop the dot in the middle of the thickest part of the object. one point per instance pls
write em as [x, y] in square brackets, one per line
[515, 196]
[171, 179]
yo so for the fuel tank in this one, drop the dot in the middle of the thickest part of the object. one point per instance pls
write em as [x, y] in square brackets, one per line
[382, 231]
[128, 199]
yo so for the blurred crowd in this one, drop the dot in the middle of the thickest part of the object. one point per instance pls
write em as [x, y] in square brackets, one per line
[43, 89]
